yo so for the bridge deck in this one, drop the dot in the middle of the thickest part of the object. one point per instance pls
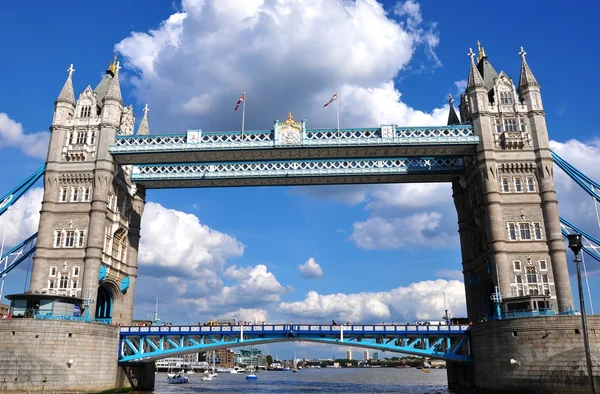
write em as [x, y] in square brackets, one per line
[153, 343]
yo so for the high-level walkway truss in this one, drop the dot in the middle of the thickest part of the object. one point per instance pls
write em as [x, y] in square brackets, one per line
[290, 154]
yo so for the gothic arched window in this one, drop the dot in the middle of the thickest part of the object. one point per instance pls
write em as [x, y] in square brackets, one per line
[64, 280]
[86, 111]
[506, 98]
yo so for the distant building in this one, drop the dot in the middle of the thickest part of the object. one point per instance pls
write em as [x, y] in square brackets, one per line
[249, 357]
[348, 354]
[191, 358]
[366, 356]
[223, 358]
[376, 356]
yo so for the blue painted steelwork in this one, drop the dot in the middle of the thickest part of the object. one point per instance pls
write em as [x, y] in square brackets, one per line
[586, 183]
[104, 304]
[299, 168]
[124, 284]
[20, 253]
[155, 342]
[13, 196]
[592, 244]
[527, 313]
[102, 273]
[196, 140]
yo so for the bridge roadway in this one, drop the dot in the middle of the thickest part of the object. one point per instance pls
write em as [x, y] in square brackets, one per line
[150, 343]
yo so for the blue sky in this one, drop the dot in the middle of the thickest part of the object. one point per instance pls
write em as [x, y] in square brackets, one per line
[393, 62]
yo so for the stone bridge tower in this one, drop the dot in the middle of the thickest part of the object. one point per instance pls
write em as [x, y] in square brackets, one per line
[506, 202]
[90, 219]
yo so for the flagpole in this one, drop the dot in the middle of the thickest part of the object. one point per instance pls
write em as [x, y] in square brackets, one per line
[337, 110]
[243, 114]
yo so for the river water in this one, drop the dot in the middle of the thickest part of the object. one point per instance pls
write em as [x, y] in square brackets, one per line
[324, 380]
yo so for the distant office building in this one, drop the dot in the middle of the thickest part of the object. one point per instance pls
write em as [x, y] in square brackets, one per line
[348, 354]
[249, 357]
[223, 358]
[376, 356]
[366, 356]
[191, 358]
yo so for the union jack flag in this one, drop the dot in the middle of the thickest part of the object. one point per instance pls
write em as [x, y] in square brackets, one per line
[242, 98]
[333, 98]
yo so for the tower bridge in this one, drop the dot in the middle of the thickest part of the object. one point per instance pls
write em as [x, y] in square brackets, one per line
[496, 155]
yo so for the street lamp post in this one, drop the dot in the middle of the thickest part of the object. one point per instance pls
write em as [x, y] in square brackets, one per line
[576, 245]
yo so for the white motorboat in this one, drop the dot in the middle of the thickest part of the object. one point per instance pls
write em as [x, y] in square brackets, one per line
[206, 376]
[178, 379]
[238, 370]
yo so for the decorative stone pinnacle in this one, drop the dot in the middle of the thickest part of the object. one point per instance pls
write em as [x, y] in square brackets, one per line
[118, 66]
[71, 70]
[481, 51]
[146, 109]
[112, 65]
[522, 53]
[471, 54]
[450, 99]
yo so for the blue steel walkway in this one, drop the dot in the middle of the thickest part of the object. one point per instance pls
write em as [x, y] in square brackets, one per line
[144, 344]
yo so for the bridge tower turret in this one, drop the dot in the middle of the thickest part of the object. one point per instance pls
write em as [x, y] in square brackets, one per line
[506, 202]
[89, 223]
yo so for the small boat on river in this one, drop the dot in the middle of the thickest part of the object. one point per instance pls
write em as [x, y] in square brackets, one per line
[178, 379]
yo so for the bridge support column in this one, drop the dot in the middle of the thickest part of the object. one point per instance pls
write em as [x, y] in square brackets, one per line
[528, 355]
[140, 376]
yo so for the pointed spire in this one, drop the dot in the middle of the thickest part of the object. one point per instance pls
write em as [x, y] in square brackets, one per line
[144, 128]
[114, 91]
[67, 95]
[526, 78]
[475, 78]
[452, 116]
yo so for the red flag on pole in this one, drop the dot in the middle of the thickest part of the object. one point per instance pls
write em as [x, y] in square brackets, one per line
[241, 100]
[333, 98]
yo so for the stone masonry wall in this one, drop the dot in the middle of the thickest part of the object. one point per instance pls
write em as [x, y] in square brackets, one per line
[550, 350]
[35, 354]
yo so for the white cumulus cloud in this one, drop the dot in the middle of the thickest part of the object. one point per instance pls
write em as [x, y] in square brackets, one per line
[252, 315]
[310, 269]
[418, 229]
[253, 287]
[177, 241]
[13, 135]
[574, 204]
[23, 217]
[421, 300]
[287, 56]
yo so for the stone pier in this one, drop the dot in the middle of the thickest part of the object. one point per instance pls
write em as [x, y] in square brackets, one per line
[548, 356]
[44, 356]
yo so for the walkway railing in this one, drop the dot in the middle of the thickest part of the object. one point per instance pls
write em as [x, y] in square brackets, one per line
[531, 313]
[384, 135]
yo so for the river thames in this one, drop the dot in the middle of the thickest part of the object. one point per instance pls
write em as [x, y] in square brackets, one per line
[325, 380]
